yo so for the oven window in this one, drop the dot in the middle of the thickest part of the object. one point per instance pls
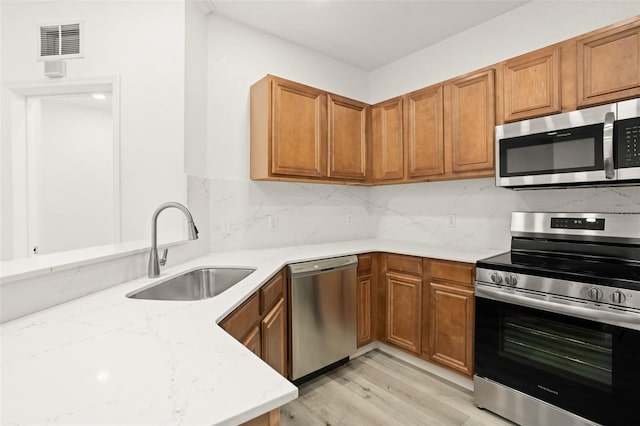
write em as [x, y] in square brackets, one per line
[570, 351]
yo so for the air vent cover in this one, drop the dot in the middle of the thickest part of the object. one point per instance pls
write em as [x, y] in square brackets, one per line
[61, 41]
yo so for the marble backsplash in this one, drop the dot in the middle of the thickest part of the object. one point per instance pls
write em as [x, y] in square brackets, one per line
[466, 213]
[420, 212]
[254, 214]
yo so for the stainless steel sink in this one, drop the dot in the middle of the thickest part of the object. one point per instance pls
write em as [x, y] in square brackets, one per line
[198, 284]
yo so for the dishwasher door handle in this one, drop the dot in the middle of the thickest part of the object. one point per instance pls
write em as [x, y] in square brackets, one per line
[315, 267]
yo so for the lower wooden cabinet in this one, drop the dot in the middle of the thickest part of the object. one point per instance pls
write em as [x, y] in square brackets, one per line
[364, 299]
[274, 338]
[403, 311]
[451, 326]
[261, 327]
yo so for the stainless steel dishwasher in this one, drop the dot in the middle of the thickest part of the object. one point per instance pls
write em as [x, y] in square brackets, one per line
[323, 314]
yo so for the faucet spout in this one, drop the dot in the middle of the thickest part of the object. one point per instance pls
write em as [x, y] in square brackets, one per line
[154, 263]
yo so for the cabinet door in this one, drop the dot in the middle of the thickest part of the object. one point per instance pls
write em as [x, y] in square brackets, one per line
[363, 307]
[452, 326]
[471, 105]
[424, 133]
[347, 138]
[609, 65]
[299, 135]
[531, 84]
[274, 338]
[403, 311]
[388, 158]
[241, 321]
[252, 341]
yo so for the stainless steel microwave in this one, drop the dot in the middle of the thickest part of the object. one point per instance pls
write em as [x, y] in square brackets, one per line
[598, 146]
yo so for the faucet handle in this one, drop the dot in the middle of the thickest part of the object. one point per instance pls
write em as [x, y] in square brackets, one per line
[163, 261]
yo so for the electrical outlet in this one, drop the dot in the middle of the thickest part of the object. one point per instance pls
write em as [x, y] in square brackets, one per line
[348, 218]
[225, 225]
[272, 223]
[452, 220]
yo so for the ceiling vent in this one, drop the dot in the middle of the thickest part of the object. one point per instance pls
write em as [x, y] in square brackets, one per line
[61, 41]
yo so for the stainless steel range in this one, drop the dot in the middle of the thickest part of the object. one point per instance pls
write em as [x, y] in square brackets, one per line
[557, 339]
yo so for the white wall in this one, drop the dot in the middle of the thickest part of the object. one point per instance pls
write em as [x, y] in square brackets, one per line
[240, 208]
[142, 42]
[531, 26]
[75, 140]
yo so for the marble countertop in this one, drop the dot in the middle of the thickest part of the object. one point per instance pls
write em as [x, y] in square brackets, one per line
[107, 359]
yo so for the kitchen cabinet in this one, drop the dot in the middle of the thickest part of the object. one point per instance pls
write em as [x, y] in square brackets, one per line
[348, 124]
[260, 323]
[272, 418]
[424, 133]
[608, 64]
[470, 121]
[387, 141]
[531, 84]
[403, 280]
[300, 133]
[365, 296]
[274, 338]
[451, 315]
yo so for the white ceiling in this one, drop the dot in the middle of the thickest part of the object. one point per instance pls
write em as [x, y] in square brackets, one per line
[365, 33]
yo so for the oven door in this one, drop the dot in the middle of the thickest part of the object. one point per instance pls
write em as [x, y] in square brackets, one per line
[585, 367]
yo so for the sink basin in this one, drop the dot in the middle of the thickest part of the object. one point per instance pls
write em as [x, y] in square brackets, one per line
[198, 284]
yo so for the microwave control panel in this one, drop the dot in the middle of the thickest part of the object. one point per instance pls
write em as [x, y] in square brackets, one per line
[628, 138]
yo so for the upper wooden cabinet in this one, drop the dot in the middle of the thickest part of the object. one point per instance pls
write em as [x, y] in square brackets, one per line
[470, 111]
[388, 144]
[302, 133]
[424, 134]
[608, 63]
[531, 84]
[347, 138]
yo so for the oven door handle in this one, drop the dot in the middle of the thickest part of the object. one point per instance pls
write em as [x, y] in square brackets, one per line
[629, 320]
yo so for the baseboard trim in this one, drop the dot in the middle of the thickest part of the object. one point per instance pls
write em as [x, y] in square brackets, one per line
[441, 373]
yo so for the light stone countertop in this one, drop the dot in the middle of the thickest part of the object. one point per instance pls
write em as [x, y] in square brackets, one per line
[104, 359]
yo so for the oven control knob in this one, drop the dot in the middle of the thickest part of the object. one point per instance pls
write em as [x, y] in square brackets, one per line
[496, 278]
[617, 297]
[511, 280]
[594, 293]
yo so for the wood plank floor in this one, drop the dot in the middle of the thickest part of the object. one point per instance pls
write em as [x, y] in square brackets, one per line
[378, 389]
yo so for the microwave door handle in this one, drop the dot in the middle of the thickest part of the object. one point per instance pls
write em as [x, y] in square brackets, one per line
[607, 145]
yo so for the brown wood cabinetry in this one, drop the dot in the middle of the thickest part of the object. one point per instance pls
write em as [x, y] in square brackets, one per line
[424, 133]
[388, 144]
[274, 338]
[451, 315]
[300, 133]
[531, 84]
[260, 324]
[364, 295]
[403, 280]
[608, 64]
[347, 138]
[470, 120]
[272, 418]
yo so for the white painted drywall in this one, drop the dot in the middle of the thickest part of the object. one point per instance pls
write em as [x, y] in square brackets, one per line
[529, 27]
[142, 43]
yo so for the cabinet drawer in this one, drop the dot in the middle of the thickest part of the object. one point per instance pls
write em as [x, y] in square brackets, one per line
[405, 264]
[461, 273]
[271, 292]
[364, 264]
[243, 319]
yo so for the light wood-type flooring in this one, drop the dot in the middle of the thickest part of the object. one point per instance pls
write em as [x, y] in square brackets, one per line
[378, 389]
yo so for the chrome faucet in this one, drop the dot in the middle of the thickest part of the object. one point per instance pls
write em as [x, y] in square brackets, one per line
[154, 263]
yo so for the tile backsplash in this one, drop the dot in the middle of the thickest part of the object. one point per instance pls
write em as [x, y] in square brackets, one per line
[466, 213]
